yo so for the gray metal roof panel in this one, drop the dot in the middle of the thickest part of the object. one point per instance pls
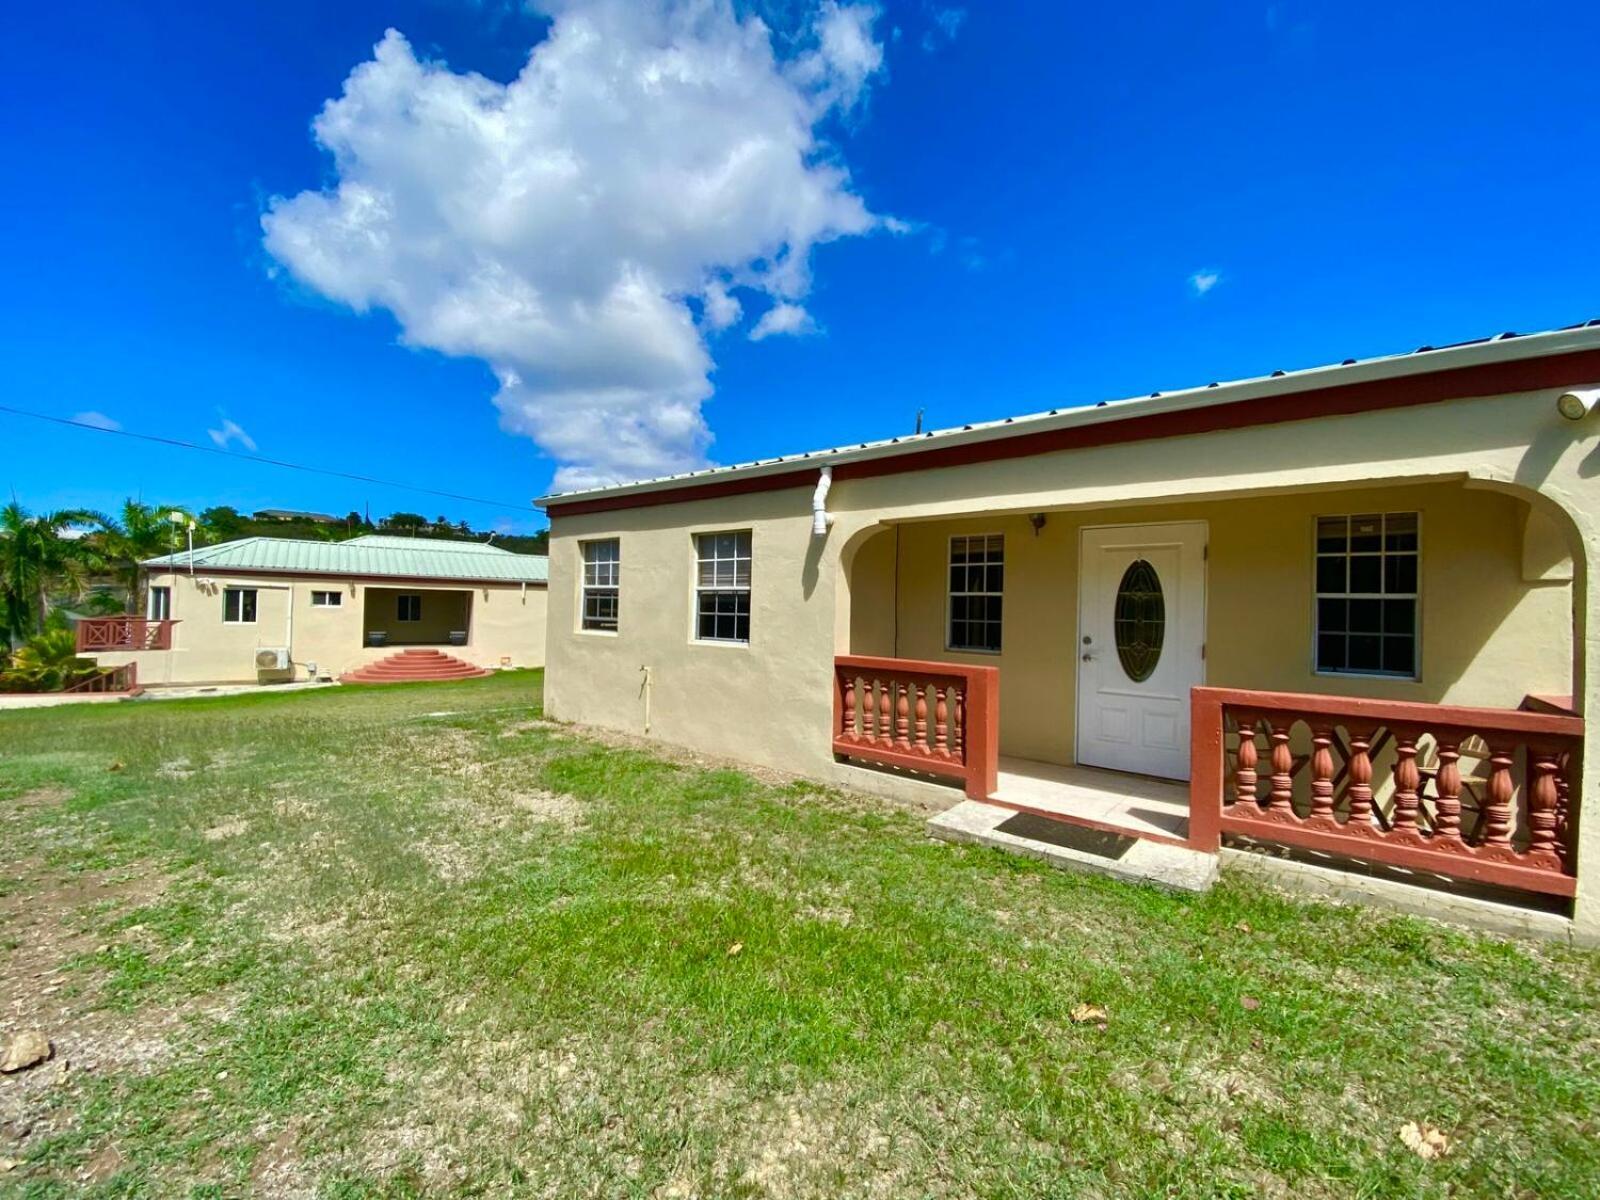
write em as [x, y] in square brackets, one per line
[377, 556]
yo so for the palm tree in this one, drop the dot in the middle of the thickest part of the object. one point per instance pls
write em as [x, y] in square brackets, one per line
[141, 531]
[47, 662]
[37, 557]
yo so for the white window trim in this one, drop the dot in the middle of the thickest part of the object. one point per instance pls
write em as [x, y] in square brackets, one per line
[256, 592]
[695, 589]
[949, 549]
[149, 601]
[338, 598]
[1416, 649]
[583, 587]
[399, 596]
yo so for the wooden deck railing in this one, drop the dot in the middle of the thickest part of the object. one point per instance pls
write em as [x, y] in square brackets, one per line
[1477, 793]
[109, 679]
[123, 633]
[934, 717]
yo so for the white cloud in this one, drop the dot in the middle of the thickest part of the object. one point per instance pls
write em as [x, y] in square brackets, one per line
[230, 433]
[1203, 281]
[98, 420]
[946, 24]
[652, 157]
[721, 308]
[782, 318]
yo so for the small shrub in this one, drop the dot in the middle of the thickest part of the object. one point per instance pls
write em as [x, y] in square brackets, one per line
[47, 662]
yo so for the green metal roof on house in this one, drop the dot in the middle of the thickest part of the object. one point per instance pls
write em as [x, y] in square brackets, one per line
[374, 555]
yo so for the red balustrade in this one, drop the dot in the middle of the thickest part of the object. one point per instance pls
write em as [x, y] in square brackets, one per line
[123, 633]
[933, 717]
[123, 679]
[1384, 781]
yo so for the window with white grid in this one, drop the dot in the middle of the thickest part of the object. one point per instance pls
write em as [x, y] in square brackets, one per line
[977, 581]
[602, 582]
[722, 587]
[1367, 590]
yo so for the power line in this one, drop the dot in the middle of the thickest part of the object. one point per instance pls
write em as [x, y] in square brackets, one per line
[503, 506]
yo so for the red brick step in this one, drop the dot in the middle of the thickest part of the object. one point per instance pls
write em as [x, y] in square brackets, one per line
[413, 665]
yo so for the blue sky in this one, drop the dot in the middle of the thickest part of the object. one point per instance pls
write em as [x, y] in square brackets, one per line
[1021, 201]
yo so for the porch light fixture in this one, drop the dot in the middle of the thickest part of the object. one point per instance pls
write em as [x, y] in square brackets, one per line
[1576, 404]
[1037, 520]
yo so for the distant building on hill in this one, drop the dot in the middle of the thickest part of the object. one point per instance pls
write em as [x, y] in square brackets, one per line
[290, 514]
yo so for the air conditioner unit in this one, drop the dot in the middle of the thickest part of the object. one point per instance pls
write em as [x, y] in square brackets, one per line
[272, 659]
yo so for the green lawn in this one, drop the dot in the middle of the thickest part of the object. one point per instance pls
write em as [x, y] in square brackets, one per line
[417, 941]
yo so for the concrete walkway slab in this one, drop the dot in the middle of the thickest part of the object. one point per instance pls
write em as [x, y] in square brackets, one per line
[1075, 847]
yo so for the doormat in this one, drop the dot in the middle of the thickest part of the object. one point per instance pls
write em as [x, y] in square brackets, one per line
[1098, 842]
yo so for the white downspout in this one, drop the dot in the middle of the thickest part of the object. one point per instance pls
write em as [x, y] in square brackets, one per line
[820, 517]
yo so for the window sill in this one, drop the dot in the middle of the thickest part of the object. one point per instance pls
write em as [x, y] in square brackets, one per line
[1388, 675]
[599, 633]
[721, 643]
[963, 650]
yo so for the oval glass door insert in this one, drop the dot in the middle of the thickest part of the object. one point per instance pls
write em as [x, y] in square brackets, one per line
[1139, 620]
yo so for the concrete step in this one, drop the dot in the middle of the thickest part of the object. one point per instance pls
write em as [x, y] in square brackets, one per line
[1072, 846]
[414, 665]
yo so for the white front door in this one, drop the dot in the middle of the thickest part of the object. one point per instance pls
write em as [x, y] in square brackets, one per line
[1141, 644]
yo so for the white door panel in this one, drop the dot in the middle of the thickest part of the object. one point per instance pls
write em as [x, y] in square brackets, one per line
[1141, 627]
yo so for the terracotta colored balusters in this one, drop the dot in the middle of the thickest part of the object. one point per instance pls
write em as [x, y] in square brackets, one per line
[941, 721]
[848, 717]
[1497, 815]
[885, 729]
[1407, 782]
[1281, 799]
[1322, 774]
[958, 722]
[1358, 792]
[1447, 786]
[1564, 810]
[1544, 765]
[902, 715]
[920, 715]
[1244, 774]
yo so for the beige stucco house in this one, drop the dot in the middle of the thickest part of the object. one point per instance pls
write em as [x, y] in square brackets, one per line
[274, 610]
[1344, 611]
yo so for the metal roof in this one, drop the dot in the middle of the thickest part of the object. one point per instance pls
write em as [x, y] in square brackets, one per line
[1502, 347]
[374, 555]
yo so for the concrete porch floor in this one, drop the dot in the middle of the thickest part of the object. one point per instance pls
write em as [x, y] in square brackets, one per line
[1135, 804]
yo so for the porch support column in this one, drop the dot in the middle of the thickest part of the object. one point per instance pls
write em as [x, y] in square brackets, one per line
[1586, 694]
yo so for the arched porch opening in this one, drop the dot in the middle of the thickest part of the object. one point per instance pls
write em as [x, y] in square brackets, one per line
[1450, 693]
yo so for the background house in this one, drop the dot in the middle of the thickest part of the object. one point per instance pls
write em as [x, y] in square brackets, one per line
[279, 609]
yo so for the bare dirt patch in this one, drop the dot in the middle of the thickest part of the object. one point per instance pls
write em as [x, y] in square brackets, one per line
[278, 1170]
[48, 923]
[44, 797]
[554, 807]
[452, 862]
[797, 1145]
[224, 830]
[516, 728]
